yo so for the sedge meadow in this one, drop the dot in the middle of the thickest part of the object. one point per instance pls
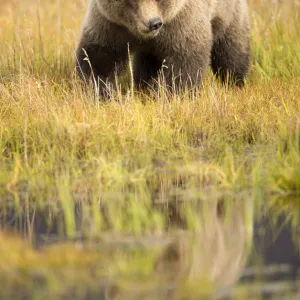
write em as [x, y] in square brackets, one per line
[146, 196]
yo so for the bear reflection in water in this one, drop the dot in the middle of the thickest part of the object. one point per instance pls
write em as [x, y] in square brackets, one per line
[203, 255]
[199, 263]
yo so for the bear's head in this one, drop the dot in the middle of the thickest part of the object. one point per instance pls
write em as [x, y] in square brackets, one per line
[143, 18]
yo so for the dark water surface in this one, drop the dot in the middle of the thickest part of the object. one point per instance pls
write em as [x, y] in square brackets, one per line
[238, 256]
[273, 267]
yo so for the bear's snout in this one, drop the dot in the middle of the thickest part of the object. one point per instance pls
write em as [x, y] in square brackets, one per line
[148, 18]
[155, 24]
[150, 27]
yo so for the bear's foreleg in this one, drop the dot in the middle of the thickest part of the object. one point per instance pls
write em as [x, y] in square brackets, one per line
[99, 64]
[186, 53]
[146, 69]
[186, 71]
[231, 55]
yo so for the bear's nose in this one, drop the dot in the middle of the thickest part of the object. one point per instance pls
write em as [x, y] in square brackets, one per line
[155, 24]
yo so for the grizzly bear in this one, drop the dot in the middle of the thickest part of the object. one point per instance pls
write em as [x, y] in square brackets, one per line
[177, 38]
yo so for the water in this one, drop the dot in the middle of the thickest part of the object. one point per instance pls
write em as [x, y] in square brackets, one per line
[232, 253]
[273, 267]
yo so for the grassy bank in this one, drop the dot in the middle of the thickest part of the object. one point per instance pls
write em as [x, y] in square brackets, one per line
[122, 163]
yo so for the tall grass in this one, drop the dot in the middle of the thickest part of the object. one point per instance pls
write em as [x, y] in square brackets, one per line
[118, 162]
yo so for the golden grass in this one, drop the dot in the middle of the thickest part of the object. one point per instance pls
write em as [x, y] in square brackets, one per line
[59, 148]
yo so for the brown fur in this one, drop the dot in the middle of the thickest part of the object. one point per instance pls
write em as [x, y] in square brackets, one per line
[195, 34]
